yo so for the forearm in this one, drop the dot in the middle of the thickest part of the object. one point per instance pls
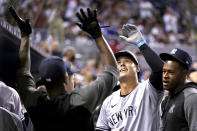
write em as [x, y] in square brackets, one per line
[25, 80]
[155, 63]
[106, 53]
[153, 60]
[24, 54]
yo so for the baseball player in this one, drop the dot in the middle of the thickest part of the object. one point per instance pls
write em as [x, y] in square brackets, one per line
[135, 106]
[179, 108]
[10, 100]
[10, 121]
[57, 110]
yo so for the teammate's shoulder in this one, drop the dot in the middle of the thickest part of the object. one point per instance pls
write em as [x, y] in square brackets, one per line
[190, 89]
[7, 89]
[144, 84]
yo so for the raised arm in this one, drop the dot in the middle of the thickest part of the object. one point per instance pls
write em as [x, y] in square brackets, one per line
[93, 94]
[25, 80]
[25, 28]
[89, 24]
[133, 35]
[155, 63]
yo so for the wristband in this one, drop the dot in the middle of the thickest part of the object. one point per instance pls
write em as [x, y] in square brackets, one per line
[140, 43]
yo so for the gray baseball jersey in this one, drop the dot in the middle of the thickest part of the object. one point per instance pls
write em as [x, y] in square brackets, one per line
[9, 121]
[10, 100]
[137, 111]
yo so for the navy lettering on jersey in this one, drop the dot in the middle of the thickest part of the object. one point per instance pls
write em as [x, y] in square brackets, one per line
[114, 119]
[119, 115]
[129, 111]
[125, 111]
[132, 110]
[111, 121]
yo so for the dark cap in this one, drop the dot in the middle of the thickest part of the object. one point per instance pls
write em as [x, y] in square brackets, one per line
[178, 55]
[54, 68]
[128, 54]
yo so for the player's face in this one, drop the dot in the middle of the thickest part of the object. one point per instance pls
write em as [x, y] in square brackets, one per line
[173, 75]
[126, 66]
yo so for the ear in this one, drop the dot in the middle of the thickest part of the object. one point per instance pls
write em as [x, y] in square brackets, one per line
[185, 73]
[137, 68]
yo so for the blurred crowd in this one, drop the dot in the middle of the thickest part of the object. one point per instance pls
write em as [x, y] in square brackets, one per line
[163, 23]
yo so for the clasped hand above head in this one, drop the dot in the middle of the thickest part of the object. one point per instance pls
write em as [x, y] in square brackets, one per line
[131, 34]
[24, 25]
[88, 22]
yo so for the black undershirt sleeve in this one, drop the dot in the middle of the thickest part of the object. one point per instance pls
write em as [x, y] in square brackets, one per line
[156, 65]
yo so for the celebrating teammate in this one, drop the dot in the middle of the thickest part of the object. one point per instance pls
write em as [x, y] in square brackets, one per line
[57, 110]
[179, 109]
[135, 107]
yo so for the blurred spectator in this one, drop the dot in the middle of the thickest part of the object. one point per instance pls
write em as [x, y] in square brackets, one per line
[172, 38]
[170, 19]
[78, 80]
[69, 55]
[194, 65]
[146, 9]
[91, 66]
[71, 7]
[55, 49]
[192, 75]
[56, 27]
[89, 77]
[145, 75]
[45, 47]
[157, 37]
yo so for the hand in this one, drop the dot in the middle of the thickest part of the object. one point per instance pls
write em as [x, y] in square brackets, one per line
[24, 25]
[89, 23]
[132, 35]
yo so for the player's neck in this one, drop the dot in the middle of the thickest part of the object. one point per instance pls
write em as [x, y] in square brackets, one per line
[54, 92]
[128, 86]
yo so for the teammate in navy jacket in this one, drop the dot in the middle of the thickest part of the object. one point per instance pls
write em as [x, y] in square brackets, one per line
[179, 108]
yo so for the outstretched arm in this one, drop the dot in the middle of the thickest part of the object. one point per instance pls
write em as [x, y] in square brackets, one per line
[155, 63]
[25, 80]
[24, 51]
[93, 94]
[89, 23]
[133, 35]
